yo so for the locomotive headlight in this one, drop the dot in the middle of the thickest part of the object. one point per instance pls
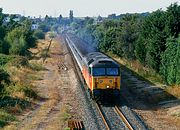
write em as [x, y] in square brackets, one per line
[107, 86]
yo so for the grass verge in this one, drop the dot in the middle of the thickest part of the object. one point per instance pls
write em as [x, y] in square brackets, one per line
[150, 76]
[16, 89]
[5, 118]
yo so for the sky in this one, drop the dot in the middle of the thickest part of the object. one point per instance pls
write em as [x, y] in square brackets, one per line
[81, 8]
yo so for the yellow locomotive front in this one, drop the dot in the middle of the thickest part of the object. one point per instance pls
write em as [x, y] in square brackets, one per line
[105, 79]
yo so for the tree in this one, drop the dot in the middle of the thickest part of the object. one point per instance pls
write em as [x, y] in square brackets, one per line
[170, 68]
[173, 19]
[47, 18]
[18, 47]
[39, 34]
[2, 32]
[60, 18]
[1, 16]
[88, 20]
[4, 79]
[128, 34]
[140, 50]
[44, 27]
[71, 15]
[153, 37]
[4, 47]
[20, 39]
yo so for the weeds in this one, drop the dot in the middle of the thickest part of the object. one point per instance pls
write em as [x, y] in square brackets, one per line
[19, 62]
[65, 115]
[33, 77]
[4, 59]
[174, 90]
[37, 67]
[16, 90]
[5, 118]
[44, 53]
[137, 69]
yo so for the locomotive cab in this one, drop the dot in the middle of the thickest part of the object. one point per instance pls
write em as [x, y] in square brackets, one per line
[105, 78]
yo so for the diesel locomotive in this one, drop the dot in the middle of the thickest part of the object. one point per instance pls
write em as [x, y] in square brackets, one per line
[101, 73]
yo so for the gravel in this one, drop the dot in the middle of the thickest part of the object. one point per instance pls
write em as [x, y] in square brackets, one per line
[133, 118]
[90, 116]
[113, 119]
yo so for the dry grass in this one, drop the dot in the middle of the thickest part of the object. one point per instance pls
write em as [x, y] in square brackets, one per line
[5, 118]
[141, 71]
[61, 120]
[46, 116]
[174, 90]
[147, 73]
[21, 92]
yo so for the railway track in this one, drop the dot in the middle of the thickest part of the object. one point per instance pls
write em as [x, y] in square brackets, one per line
[123, 118]
[119, 114]
[110, 118]
[102, 116]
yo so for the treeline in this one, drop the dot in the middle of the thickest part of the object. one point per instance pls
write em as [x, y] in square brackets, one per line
[153, 39]
[16, 37]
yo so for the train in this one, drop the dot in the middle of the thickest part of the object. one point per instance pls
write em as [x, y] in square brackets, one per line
[100, 72]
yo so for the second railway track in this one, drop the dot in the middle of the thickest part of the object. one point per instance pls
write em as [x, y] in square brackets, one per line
[117, 109]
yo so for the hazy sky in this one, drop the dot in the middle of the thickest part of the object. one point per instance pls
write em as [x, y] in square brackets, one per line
[82, 7]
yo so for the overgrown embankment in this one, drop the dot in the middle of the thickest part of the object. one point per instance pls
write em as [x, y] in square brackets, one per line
[16, 88]
[152, 39]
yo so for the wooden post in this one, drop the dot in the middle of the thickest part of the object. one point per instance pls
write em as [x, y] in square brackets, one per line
[47, 50]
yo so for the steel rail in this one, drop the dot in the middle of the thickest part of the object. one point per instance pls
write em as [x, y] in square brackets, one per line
[102, 116]
[123, 118]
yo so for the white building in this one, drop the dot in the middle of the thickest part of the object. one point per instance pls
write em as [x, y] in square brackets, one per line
[34, 26]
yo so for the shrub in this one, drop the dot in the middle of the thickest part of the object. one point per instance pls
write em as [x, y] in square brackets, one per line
[20, 61]
[5, 118]
[170, 68]
[4, 59]
[4, 79]
[39, 34]
[37, 67]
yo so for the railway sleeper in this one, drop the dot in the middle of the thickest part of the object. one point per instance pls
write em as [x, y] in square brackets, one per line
[75, 125]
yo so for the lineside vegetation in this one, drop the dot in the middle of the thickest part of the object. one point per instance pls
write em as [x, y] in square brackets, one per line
[16, 73]
[152, 39]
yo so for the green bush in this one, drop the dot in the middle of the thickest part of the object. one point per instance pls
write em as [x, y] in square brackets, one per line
[37, 67]
[20, 61]
[170, 64]
[39, 34]
[4, 79]
[4, 59]
[20, 39]
[5, 118]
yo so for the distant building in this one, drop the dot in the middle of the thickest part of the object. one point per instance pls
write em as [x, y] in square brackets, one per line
[6, 19]
[13, 17]
[34, 26]
[16, 19]
[98, 20]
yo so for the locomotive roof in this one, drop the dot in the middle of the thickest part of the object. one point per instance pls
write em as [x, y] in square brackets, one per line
[83, 47]
[91, 56]
[98, 59]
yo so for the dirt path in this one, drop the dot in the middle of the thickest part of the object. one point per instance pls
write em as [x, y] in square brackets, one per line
[57, 88]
